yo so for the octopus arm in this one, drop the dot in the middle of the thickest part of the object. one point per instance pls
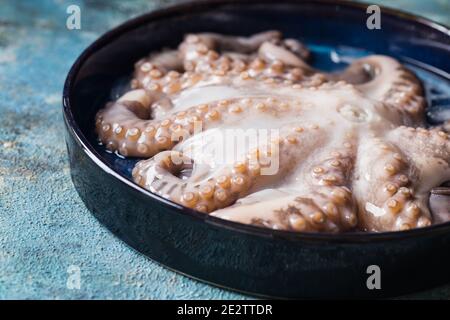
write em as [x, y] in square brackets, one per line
[259, 168]
[386, 80]
[123, 129]
[394, 176]
[280, 210]
[238, 44]
[319, 202]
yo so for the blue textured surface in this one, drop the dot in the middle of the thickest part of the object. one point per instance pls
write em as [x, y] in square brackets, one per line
[44, 226]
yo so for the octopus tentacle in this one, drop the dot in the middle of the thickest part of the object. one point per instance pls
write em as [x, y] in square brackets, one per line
[208, 191]
[121, 126]
[421, 144]
[115, 124]
[272, 52]
[280, 210]
[325, 205]
[429, 152]
[380, 78]
[394, 192]
[172, 83]
[384, 178]
[200, 52]
[331, 180]
[159, 176]
[165, 166]
[205, 56]
[165, 61]
[223, 43]
[386, 80]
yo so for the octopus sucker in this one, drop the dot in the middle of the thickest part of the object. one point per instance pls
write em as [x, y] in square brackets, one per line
[244, 129]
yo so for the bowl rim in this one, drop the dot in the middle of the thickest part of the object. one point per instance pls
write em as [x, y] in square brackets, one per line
[205, 5]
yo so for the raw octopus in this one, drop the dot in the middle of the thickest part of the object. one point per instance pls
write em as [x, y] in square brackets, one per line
[329, 152]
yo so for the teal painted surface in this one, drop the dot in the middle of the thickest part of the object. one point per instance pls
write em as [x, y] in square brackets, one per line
[44, 227]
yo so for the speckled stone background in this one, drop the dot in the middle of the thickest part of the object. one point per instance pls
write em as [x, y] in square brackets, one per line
[44, 227]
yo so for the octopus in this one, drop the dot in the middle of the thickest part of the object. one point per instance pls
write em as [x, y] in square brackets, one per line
[317, 151]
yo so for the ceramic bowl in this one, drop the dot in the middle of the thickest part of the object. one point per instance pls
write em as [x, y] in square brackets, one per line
[241, 257]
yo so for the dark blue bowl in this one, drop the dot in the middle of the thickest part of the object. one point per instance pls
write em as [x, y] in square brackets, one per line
[243, 257]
